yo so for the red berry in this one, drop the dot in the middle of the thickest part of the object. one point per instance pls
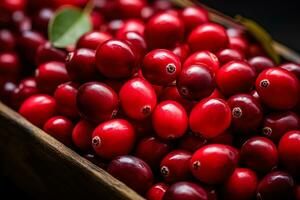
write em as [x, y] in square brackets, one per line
[132, 25]
[213, 164]
[292, 67]
[113, 138]
[157, 191]
[92, 40]
[192, 142]
[182, 51]
[130, 8]
[7, 40]
[38, 109]
[260, 63]
[10, 66]
[227, 55]
[224, 138]
[278, 88]
[193, 16]
[238, 43]
[143, 127]
[6, 92]
[210, 117]
[235, 77]
[260, 154]
[184, 191]
[41, 19]
[161, 67]
[235, 32]
[13, 5]
[255, 50]
[169, 120]
[46, 52]
[208, 36]
[21, 23]
[97, 102]
[82, 135]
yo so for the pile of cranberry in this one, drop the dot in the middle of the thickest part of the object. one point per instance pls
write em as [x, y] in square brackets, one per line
[201, 109]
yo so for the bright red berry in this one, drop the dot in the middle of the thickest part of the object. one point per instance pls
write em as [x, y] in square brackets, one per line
[130, 8]
[157, 191]
[132, 25]
[238, 43]
[92, 40]
[82, 135]
[227, 55]
[193, 16]
[182, 51]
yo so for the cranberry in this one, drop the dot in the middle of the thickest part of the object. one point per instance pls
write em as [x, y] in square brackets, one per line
[65, 96]
[116, 59]
[238, 43]
[81, 66]
[82, 135]
[169, 120]
[235, 77]
[161, 5]
[175, 166]
[241, 185]
[42, 18]
[246, 111]
[164, 30]
[97, 20]
[235, 32]
[224, 138]
[227, 55]
[292, 67]
[208, 36]
[260, 63]
[259, 153]
[289, 152]
[6, 92]
[193, 16]
[278, 88]
[10, 65]
[113, 26]
[38, 109]
[20, 22]
[130, 8]
[255, 50]
[60, 128]
[143, 128]
[46, 52]
[97, 102]
[192, 142]
[213, 164]
[161, 67]
[92, 40]
[7, 40]
[196, 82]
[133, 172]
[10, 6]
[49, 75]
[277, 124]
[132, 25]
[276, 186]
[185, 190]
[182, 51]
[137, 98]
[203, 57]
[157, 191]
[210, 117]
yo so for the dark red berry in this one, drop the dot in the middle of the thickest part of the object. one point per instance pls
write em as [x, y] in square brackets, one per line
[184, 191]
[7, 40]
[260, 63]
[292, 67]
[92, 40]
[192, 142]
[157, 191]
[46, 52]
[227, 55]
[10, 66]
[42, 18]
[82, 135]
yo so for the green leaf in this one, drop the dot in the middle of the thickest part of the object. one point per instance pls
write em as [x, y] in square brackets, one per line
[68, 24]
[261, 35]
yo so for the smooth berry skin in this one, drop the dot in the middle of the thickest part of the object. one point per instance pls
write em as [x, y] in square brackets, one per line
[65, 96]
[49, 75]
[157, 191]
[209, 36]
[116, 59]
[6, 92]
[82, 135]
[278, 88]
[276, 186]
[193, 16]
[174, 167]
[132, 25]
[240, 185]
[213, 164]
[235, 77]
[96, 102]
[80, 65]
[130, 8]
[41, 20]
[46, 52]
[152, 150]
[192, 142]
[293, 68]
[169, 120]
[182, 51]
[224, 138]
[238, 43]
[260, 63]
[210, 117]
[259, 154]
[164, 30]
[203, 57]
[247, 113]
[227, 55]
[277, 124]
[11, 6]
[255, 50]
[92, 40]
[196, 82]
[161, 67]
[235, 32]
[60, 128]
[10, 66]
[37, 109]
[7, 40]
[289, 152]
[137, 98]
[184, 191]
[133, 172]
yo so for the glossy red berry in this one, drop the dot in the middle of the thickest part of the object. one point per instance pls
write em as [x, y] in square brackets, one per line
[82, 135]
[11, 6]
[164, 30]
[235, 77]
[210, 117]
[132, 25]
[289, 152]
[60, 128]
[182, 51]
[161, 67]
[260, 63]
[238, 43]
[196, 82]
[116, 59]
[278, 88]
[292, 67]
[137, 98]
[213, 164]
[133, 172]
[184, 191]
[227, 55]
[38, 109]
[46, 52]
[193, 16]
[92, 40]
[259, 154]
[6, 92]
[157, 191]
[208, 36]
[174, 167]
[192, 142]
[169, 120]
[235, 32]
[7, 40]
[97, 102]
[10, 66]
[130, 8]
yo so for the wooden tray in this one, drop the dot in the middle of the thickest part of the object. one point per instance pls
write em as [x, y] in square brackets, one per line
[46, 169]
